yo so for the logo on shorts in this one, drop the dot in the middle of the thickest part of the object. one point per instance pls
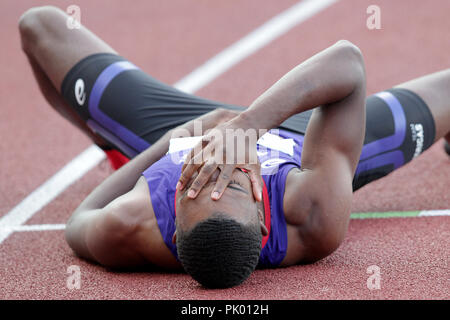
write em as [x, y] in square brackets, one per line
[417, 136]
[80, 95]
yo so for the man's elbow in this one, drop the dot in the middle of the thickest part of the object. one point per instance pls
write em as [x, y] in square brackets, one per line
[75, 237]
[351, 50]
[72, 237]
[322, 248]
[325, 233]
[353, 56]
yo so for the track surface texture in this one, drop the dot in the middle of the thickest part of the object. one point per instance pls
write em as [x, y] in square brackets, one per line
[169, 39]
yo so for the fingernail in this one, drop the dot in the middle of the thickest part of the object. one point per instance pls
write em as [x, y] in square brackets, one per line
[215, 195]
[178, 187]
[191, 193]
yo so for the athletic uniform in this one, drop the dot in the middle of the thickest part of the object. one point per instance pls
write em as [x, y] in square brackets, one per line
[132, 110]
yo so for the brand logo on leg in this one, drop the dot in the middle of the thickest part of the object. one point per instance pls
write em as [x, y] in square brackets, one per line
[80, 95]
[418, 137]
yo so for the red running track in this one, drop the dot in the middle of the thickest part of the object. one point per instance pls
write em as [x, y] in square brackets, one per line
[171, 39]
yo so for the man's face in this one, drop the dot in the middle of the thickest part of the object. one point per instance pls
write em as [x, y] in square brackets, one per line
[237, 202]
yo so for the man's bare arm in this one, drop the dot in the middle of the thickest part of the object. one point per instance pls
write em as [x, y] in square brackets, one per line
[318, 198]
[324, 79]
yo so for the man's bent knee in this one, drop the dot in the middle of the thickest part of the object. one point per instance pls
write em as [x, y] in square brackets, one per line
[37, 21]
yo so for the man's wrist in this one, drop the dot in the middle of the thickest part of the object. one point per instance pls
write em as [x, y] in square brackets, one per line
[246, 120]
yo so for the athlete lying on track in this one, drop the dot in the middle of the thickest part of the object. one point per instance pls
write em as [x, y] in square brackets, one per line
[298, 215]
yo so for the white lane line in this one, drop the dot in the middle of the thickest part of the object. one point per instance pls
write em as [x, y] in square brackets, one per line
[49, 227]
[251, 43]
[433, 213]
[49, 190]
[36, 227]
[200, 77]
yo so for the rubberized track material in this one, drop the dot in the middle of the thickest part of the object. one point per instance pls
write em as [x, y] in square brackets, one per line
[172, 39]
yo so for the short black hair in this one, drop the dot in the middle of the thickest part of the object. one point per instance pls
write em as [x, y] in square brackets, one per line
[220, 252]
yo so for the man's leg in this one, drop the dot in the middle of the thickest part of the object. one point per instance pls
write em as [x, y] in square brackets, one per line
[434, 89]
[52, 50]
[401, 123]
[118, 105]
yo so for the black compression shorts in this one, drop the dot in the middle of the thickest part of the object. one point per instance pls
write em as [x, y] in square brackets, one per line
[132, 110]
[399, 127]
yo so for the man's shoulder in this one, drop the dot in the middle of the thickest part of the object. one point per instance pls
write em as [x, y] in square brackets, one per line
[138, 202]
[127, 213]
[143, 237]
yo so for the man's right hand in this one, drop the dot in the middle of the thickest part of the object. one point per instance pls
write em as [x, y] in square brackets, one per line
[217, 150]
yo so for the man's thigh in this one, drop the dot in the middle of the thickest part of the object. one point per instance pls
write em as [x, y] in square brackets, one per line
[126, 106]
[399, 127]
[118, 101]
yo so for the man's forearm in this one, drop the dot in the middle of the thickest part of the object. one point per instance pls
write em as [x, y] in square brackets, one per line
[327, 77]
[124, 179]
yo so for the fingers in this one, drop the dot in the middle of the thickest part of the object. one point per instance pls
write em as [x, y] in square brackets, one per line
[194, 160]
[256, 180]
[203, 177]
[189, 156]
[222, 181]
[184, 177]
[189, 169]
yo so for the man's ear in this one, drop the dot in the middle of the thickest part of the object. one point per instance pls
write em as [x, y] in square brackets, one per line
[264, 230]
[174, 237]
